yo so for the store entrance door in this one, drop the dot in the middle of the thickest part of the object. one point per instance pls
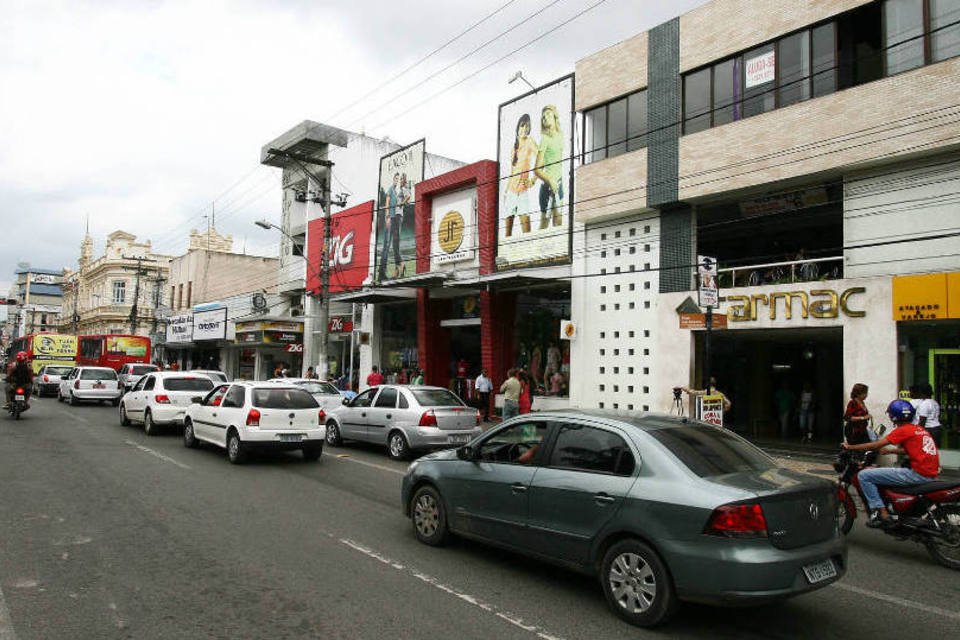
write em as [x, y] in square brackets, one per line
[766, 373]
[945, 379]
[465, 361]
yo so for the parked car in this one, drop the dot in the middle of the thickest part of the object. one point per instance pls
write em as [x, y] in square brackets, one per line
[216, 376]
[48, 379]
[95, 384]
[256, 415]
[131, 373]
[405, 419]
[661, 508]
[325, 393]
[162, 398]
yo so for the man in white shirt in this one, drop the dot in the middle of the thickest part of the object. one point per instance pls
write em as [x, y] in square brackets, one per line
[484, 386]
[928, 413]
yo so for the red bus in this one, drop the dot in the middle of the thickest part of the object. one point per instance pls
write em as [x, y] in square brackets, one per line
[45, 349]
[112, 350]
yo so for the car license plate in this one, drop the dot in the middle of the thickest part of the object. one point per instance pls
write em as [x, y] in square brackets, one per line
[459, 438]
[98, 385]
[290, 437]
[820, 571]
[19, 398]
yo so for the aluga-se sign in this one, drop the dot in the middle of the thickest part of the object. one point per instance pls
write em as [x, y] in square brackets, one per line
[819, 303]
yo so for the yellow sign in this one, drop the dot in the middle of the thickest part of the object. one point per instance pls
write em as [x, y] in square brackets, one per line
[54, 346]
[450, 231]
[926, 297]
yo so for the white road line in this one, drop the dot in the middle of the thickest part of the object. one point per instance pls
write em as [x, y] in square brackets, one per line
[346, 458]
[900, 601]
[6, 624]
[434, 582]
[157, 454]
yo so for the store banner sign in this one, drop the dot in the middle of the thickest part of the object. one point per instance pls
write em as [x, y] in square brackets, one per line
[340, 324]
[453, 229]
[710, 409]
[395, 252]
[708, 293]
[930, 296]
[348, 257]
[210, 325]
[535, 156]
[760, 70]
[180, 328]
[568, 330]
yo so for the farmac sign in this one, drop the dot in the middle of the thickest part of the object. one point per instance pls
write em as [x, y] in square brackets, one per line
[819, 303]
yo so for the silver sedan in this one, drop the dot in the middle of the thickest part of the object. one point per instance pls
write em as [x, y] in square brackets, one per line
[404, 418]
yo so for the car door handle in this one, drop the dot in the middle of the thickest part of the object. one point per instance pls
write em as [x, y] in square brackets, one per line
[518, 488]
[363, 415]
[389, 416]
[602, 499]
[214, 415]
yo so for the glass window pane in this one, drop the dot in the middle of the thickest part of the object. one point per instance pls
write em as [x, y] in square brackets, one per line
[824, 60]
[617, 128]
[516, 444]
[794, 58]
[387, 398]
[637, 120]
[596, 129]
[709, 451]
[696, 101]
[903, 34]
[726, 91]
[759, 74]
[944, 29]
[587, 449]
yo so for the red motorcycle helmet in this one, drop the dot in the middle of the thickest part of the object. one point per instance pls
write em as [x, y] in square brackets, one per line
[22, 356]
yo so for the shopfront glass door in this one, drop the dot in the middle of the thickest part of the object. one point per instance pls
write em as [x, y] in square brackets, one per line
[945, 379]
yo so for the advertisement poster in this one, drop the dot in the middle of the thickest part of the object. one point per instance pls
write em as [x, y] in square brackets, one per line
[349, 255]
[210, 325]
[180, 328]
[453, 229]
[396, 248]
[132, 346]
[708, 294]
[760, 70]
[534, 152]
[54, 347]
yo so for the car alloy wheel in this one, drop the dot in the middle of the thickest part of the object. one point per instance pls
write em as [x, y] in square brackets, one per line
[124, 419]
[637, 584]
[429, 517]
[235, 449]
[189, 439]
[73, 400]
[149, 427]
[333, 434]
[633, 583]
[397, 446]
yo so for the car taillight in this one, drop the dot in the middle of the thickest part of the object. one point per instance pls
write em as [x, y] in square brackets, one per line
[119, 384]
[737, 521]
[46, 378]
[253, 418]
[162, 399]
[478, 417]
[76, 383]
[428, 419]
[322, 416]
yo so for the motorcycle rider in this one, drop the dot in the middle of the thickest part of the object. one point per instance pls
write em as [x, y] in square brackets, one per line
[19, 375]
[908, 438]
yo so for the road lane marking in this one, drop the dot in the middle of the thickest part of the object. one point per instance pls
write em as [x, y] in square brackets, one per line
[435, 583]
[346, 458]
[900, 601]
[157, 454]
[6, 624]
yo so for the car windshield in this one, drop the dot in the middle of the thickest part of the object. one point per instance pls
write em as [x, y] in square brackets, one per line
[436, 398]
[288, 398]
[712, 451]
[188, 384]
[57, 371]
[98, 374]
[319, 387]
[141, 369]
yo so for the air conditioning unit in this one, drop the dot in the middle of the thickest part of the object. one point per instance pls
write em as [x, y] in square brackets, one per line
[296, 311]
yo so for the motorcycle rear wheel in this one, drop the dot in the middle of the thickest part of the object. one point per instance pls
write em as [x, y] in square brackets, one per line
[16, 411]
[946, 550]
[846, 511]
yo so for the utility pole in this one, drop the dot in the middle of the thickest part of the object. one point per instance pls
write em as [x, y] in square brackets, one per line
[135, 310]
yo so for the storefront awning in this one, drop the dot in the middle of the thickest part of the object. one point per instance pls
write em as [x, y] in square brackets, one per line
[526, 278]
[429, 279]
[376, 295]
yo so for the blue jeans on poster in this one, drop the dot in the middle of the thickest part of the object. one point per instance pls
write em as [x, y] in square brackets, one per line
[888, 477]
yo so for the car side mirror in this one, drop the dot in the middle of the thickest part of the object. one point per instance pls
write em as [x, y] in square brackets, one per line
[467, 453]
[346, 401]
[196, 399]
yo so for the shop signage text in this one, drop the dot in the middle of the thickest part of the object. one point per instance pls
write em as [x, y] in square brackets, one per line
[819, 303]
[210, 325]
[929, 296]
[180, 328]
[339, 324]
[699, 321]
[43, 278]
[295, 348]
[760, 69]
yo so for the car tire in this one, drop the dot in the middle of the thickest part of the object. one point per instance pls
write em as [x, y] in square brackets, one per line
[429, 516]
[333, 434]
[236, 451]
[312, 452]
[189, 438]
[124, 419]
[149, 427]
[637, 585]
[72, 401]
[397, 446]
[59, 396]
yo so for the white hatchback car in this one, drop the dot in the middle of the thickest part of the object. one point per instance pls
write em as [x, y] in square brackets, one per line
[256, 415]
[96, 384]
[132, 372]
[325, 393]
[162, 398]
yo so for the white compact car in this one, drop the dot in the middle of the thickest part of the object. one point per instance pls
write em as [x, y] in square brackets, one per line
[325, 393]
[162, 398]
[256, 415]
[131, 373]
[48, 378]
[93, 384]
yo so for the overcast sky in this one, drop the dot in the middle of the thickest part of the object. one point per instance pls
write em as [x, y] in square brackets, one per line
[139, 114]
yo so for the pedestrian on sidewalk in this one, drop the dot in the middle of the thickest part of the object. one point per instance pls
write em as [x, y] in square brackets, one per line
[375, 379]
[511, 389]
[856, 417]
[525, 402]
[928, 413]
[484, 386]
[806, 413]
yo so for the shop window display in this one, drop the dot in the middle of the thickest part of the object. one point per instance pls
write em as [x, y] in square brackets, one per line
[539, 350]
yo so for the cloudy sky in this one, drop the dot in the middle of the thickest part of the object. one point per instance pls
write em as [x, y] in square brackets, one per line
[142, 114]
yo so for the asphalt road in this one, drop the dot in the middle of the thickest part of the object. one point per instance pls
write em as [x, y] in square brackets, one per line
[107, 533]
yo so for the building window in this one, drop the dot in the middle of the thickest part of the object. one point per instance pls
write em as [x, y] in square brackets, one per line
[190, 294]
[696, 101]
[903, 35]
[119, 292]
[180, 296]
[824, 45]
[944, 29]
[615, 128]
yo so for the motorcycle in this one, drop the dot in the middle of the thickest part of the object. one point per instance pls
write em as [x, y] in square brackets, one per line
[928, 514]
[19, 403]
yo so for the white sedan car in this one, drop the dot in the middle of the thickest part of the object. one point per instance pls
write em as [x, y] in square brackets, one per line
[96, 384]
[162, 398]
[325, 393]
[257, 415]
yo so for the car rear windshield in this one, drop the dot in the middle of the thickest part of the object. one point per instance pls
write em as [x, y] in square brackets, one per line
[57, 371]
[319, 387]
[283, 399]
[436, 398]
[98, 374]
[188, 384]
[142, 369]
[712, 451]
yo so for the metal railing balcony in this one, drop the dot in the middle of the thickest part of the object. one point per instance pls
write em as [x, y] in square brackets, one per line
[787, 272]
